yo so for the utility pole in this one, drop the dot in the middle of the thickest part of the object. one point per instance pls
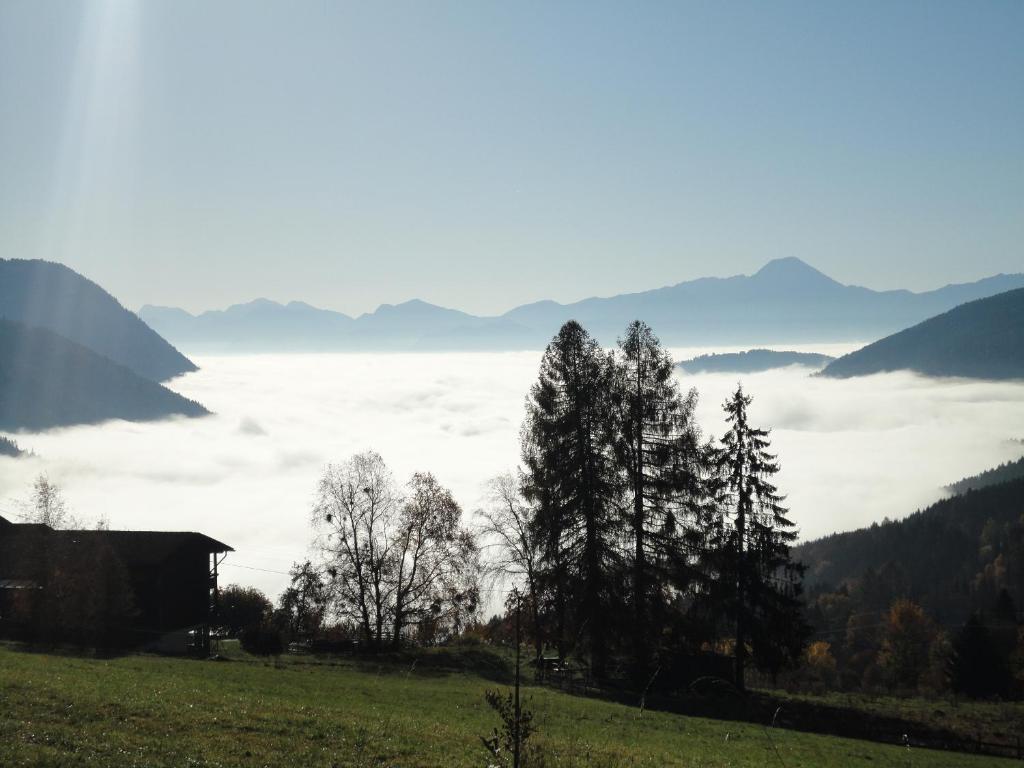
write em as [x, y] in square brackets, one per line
[515, 733]
[741, 561]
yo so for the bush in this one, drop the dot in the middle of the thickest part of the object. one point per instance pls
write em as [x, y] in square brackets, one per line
[262, 640]
[241, 607]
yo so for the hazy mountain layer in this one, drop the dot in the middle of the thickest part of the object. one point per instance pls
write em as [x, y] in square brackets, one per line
[981, 339]
[47, 381]
[787, 301]
[752, 361]
[47, 295]
[264, 325]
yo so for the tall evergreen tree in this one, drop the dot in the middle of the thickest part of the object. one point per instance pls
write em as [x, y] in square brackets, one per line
[567, 449]
[754, 558]
[977, 668]
[658, 451]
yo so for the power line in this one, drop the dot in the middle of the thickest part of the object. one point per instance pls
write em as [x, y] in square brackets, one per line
[253, 568]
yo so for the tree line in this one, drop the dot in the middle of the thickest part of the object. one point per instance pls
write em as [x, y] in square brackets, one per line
[639, 549]
[642, 544]
[942, 585]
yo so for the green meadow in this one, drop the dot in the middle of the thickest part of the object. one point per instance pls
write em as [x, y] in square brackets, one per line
[64, 710]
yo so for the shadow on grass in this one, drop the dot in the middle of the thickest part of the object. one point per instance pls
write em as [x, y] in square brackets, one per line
[422, 662]
[66, 651]
[436, 662]
[758, 708]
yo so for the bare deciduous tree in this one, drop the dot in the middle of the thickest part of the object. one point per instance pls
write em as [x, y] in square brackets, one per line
[46, 505]
[512, 543]
[356, 514]
[393, 560]
[434, 556]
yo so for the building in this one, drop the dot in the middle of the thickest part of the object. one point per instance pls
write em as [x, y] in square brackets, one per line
[154, 589]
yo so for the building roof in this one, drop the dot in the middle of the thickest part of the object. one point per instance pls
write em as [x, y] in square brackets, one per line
[148, 546]
[133, 547]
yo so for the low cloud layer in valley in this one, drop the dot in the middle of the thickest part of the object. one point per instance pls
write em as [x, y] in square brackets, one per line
[852, 451]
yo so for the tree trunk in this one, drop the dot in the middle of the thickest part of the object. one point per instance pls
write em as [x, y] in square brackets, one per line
[741, 607]
[396, 632]
[640, 643]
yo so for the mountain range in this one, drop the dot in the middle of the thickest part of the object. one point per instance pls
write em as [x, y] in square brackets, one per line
[786, 301]
[980, 339]
[43, 294]
[71, 354]
[48, 381]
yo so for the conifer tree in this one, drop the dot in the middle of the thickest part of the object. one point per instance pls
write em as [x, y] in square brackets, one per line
[658, 452]
[570, 478]
[754, 557]
[977, 668]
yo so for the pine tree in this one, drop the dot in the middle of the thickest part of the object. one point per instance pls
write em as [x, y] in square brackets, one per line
[754, 557]
[571, 479]
[658, 452]
[977, 668]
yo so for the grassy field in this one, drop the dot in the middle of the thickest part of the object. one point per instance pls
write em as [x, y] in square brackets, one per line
[992, 721]
[150, 711]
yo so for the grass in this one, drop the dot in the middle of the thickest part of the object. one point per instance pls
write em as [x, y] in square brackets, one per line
[993, 721]
[150, 711]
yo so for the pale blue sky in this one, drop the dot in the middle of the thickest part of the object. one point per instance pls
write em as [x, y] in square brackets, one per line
[480, 155]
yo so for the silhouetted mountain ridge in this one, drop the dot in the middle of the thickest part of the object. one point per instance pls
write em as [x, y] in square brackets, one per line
[980, 339]
[48, 381]
[44, 294]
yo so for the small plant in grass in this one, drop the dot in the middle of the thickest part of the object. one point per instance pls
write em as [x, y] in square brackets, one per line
[509, 745]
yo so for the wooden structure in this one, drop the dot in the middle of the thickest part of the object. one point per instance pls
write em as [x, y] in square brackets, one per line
[143, 588]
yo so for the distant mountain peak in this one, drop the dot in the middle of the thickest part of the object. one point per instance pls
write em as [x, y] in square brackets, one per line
[417, 306]
[791, 268]
[259, 303]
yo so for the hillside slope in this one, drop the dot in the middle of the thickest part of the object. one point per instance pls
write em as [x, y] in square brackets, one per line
[164, 712]
[1010, 470]
[47, 381]
[951, 557]
[980, 339]
[43, 294]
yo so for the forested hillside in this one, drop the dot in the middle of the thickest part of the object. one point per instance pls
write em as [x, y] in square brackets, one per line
[951, 558]
[1010, 470]
[981, 339]
[47, 381]
[42, 294]
[752, 361]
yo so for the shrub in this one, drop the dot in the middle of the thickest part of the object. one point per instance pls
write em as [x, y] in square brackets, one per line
[240, 607]
[262, 640]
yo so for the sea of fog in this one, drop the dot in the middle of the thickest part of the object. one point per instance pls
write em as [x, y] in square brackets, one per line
[852, 452]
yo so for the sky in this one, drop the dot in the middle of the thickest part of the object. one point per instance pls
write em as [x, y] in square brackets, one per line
[482, 155]
[852, 451]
